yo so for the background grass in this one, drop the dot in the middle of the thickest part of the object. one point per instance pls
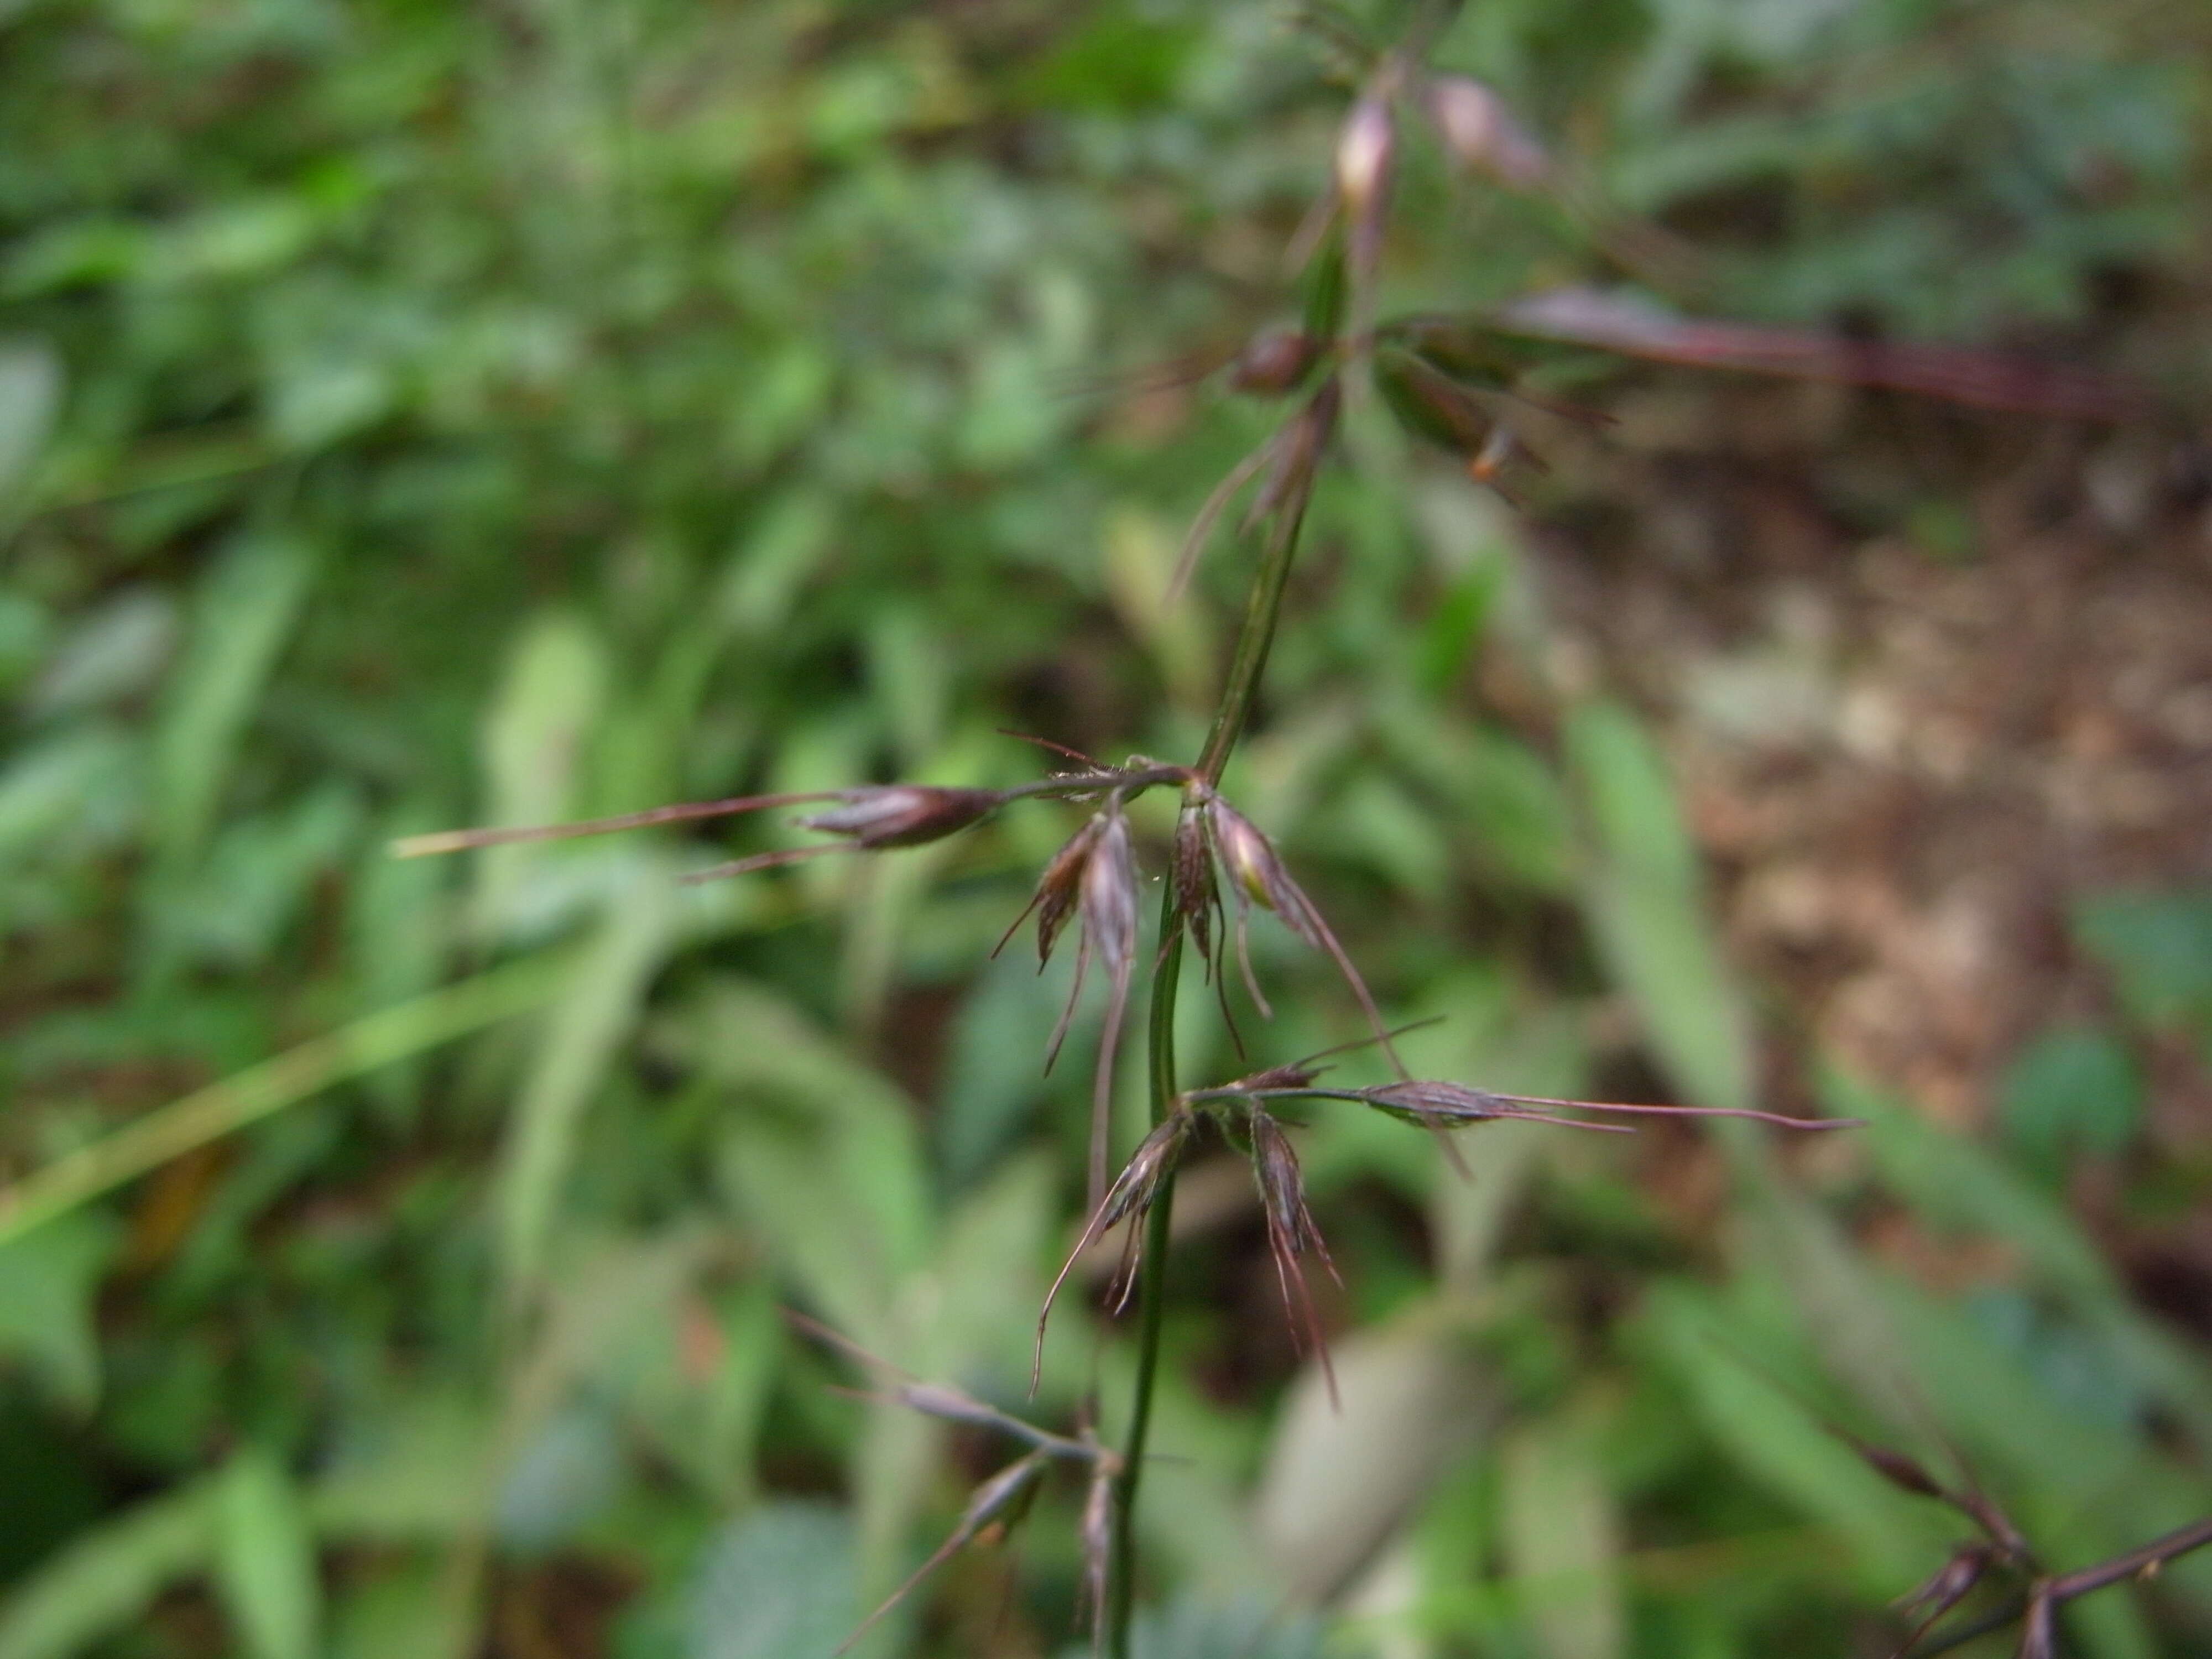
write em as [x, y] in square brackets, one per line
[416, 414]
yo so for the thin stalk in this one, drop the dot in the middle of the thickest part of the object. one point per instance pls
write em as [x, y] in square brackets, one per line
[1237, 695]
[1253, 642]
[2149, 1557]
[1151, 1294]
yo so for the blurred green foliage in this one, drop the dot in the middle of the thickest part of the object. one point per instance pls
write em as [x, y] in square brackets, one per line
[414, 415]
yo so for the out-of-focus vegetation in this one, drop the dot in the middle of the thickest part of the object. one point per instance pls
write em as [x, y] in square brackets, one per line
[417, 415]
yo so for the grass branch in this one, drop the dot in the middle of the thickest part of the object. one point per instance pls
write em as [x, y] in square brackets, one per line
[2142, 1562]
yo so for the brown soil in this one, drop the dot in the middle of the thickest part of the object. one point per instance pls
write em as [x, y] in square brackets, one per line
[1927, 679]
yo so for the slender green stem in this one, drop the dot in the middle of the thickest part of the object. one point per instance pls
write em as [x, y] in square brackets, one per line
[1237, 695]
[1151, 1295]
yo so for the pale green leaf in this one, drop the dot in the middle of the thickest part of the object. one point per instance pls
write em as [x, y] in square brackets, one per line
[265, 1564]
[822, 1159]
[2085, 1485]
[1647, 905]
[775, 557]
[1959, 1184]
[1341, 1475]
[48, 1280]
[82, 780]
[1562, 1536]
[736, 1396]
[910, 674]
[2158, 948]
[534, 741]
[257, 875]
[994, 1076]
[396, 926]
[2073, 1088]
[111, 654]
[30, 395]
[241, 616]
[583, 1032]
[778, 1584]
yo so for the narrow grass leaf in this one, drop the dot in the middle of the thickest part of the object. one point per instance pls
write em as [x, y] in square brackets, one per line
[1891, 1537]
[591, 1021]
[822, 1156]
[47, 1284]
[30, 395]
[223, 1108]
[52, 791]
[535, 741]
[265, 1564]
[1960, 1185]
[1646, 902]
[1562, 1536]
[103, 1581]
[241, 617]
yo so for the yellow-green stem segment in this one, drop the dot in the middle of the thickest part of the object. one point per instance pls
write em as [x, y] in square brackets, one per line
[246, 1097]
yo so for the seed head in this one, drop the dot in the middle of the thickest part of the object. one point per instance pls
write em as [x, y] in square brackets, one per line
[1190, 875]
[1364, 148]
[1273, 362]
[1431, 405]
[1141, 1183]
[1057, 890]
[1901, 1472]
[1292, 1076]
[1950, 1584]
[1443, 1105]
[1005, 1497]
[1290, 1233]
[1256, 875]
[1431, 1103]
[998, 1504]
[1109, 928]
[1094, 875]
[1256, 870]
[1499, 450]
[1109, 893]
[1481, 132]
[1132, 1196]
[903, 814]
[932, 1400]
